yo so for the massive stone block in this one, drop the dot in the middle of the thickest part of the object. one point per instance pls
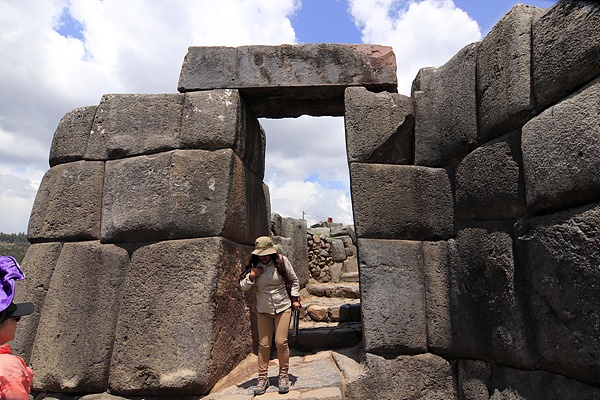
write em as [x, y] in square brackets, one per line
[474, 379]
[490, 183]
[392, 285]
[183, 324]
[509, 383]
[68, 203]
[132, 124]
[424, 376]
[560, 257]
[445, 110]
[561, 152]
[504, 74]
[75, 334]
[401, 202]
[566, 49]
[38, 266]
[182, 194]
[486, 295]
[290, 80]
[71, 137]
[220, 119]
[295, 229]
[437, 296]
[379, 127]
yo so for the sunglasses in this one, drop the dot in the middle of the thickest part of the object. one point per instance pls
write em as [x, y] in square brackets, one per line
[16, 318]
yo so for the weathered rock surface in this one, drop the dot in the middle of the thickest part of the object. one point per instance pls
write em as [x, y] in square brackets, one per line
[424, 376]
[437, 296]
[379, 127]
[71, 136]
[488, 322]
[560, 259]
[290, 80]
[445, 110]
[76, 331]
[221, 119]
[182, 194]
[393, 296]
[132, 124]
[401, 202]
[505, 97]
[68, 203]
[566, 49]
[561, 152]
[182, 300]
[490, 183]
[39, 263]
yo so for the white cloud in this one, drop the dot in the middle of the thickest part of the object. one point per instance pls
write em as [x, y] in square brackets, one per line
[306, 168]
[422, 33]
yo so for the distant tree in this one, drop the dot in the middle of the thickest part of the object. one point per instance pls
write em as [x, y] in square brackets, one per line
[14, 244]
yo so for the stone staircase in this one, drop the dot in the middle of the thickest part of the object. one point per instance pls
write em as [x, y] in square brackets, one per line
[330, 316]
[327, 350]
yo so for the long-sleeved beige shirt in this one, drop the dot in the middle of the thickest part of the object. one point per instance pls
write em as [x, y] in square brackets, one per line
[271, 296]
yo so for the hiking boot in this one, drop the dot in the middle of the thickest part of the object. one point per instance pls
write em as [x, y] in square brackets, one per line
[284, 383]
[262, 385]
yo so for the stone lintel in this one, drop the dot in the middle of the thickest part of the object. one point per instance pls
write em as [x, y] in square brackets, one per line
[291, 80]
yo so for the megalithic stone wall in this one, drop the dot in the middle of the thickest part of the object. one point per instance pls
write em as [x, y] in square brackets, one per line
[483, 244]
[476, 205]
[139, 231]
[149, 209]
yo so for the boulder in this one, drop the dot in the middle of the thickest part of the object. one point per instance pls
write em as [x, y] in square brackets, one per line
[338, 252]
[183, 324]
[561, 152]
[220, 119]
[68, 203]
[437, 296]
[505, 96]
[401, 202]
[424, 376]
[566, 49]
[76, 331]
[560, 259]
[391, 274]
[126, 125]
[38, 266]
[509, 383]
[379, 126]
[490, 183]
[486, 296]
[445, 110]
[71, 137]
[474, 379]
[290, 80]
[295, 229]
[182, 194]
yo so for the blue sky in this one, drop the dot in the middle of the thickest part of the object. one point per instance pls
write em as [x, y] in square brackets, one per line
[58, 55]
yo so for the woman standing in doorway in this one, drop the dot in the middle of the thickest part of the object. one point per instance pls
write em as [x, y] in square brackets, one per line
[268, 273]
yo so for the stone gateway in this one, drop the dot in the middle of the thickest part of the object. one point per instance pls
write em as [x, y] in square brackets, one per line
[476, 207]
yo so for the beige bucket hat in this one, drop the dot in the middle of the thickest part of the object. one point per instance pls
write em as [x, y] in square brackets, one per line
[263, 246]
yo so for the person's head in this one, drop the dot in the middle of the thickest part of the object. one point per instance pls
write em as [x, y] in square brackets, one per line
[10, 312]
[264, 249]
[9, 318]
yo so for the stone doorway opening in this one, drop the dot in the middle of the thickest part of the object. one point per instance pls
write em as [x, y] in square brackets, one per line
[307, 173]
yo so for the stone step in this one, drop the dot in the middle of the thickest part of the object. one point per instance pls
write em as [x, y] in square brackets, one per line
[316, 336]
[327, 309]
[349, 277]
[350, 290]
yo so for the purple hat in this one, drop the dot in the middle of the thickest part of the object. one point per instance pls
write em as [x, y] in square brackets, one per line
[9, 273]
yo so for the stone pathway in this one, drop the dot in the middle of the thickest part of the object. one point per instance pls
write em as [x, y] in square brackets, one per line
[313, 376]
